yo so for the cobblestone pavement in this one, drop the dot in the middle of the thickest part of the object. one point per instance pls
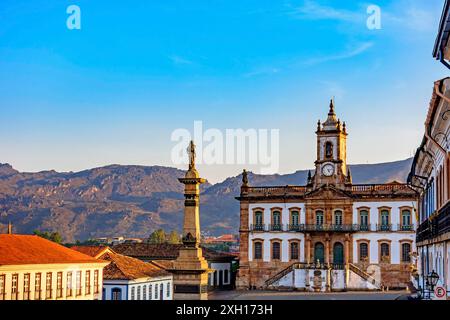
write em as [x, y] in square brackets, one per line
[275, 295]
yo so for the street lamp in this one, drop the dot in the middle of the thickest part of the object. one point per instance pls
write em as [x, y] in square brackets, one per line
[432, 280]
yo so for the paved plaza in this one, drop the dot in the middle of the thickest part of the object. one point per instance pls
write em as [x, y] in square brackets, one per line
[276, 295]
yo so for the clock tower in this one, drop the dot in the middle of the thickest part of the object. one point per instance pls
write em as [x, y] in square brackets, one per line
[331, 163]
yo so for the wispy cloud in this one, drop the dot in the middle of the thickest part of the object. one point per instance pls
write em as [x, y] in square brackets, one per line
[401, 14]
[412, 18]
[261, 72]
[178, 60]
[353, 52]
[312, 10]
[333, 89]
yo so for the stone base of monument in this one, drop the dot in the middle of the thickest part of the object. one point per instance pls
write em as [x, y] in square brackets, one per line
[190, 275]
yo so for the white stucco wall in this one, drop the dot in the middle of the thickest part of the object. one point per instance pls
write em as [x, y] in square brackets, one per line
[374, 213]
[108, 286]
[373, 237]
[355, 282]
[33, 269]
[217, 267]
[128, 286]
[284, 236]
[338, 279]
[300, 278]
[284, 213]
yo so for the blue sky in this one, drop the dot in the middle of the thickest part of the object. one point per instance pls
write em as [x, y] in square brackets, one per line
[114, 91]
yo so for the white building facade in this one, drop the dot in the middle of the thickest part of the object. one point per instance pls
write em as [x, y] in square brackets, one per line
[158, 288]
[430, 173]
[330, 234]
[32, 268]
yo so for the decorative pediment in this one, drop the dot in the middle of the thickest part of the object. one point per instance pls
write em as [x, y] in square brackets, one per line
[328, 192]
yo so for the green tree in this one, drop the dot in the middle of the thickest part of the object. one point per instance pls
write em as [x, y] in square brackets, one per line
[158, 236]
[174, 237]
[54, 236]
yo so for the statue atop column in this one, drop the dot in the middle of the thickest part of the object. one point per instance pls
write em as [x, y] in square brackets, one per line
[191, 154]
[190, 269]
[245, 178]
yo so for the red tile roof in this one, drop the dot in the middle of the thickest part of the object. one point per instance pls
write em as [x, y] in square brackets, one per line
[127, 268]
[27, 249]
[93, 251]
[165, 251]
[164, 264]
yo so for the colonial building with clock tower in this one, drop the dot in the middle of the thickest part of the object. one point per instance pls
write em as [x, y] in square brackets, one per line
[328, 234]
[331, 164]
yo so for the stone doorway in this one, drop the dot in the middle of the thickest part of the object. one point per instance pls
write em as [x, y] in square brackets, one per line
[338, 253]
[319, 252]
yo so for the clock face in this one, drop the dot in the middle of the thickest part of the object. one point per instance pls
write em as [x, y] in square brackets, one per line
[328, 170]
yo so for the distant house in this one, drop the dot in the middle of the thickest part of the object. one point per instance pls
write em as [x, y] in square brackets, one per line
[33, 268]
[223, 275]
[225, 242]
[127, 278]
[116, 240]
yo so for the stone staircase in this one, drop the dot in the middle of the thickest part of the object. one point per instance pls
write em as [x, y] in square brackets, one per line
[271, 282]
[282, 273]
[364, 275]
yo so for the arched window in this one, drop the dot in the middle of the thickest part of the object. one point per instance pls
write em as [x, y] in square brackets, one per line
[319, 252]
[364, 220]
[133, 293]
[276, 221]
[406, 250]
[257, 254]
[294, 250]
[116, 294]
[406, 220]
[258, 218]
[168, 290]
[328, 150]
[384, 223]
[319, 218]
[363, 252]
[295, 218]
[338, 253]
[338, 217]
[276, 250]
[385, 252]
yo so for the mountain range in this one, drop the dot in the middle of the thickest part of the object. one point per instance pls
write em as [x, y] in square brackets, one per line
[133, 201]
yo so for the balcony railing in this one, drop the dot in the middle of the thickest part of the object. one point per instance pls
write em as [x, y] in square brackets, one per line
[258, 227]
[384, 227]
[296, 227]
[405, 227]
[438, 226]
[390, 187]
[331, 227]
[276, 191]
[363, 227]
[275, 227]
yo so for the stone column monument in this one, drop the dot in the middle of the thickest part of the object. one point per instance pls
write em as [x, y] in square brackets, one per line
[190, 270]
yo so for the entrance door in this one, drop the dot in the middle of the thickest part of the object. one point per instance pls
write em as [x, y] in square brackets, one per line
[319, 252]
[338, 253]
